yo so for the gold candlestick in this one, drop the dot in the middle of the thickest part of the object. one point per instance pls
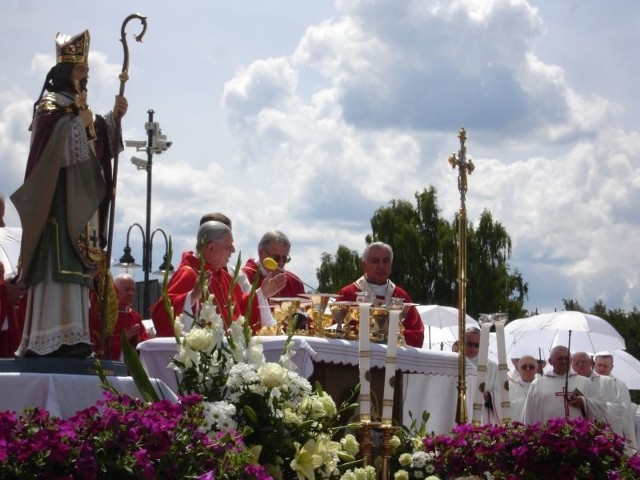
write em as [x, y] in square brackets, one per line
[387, 450]
[365, 442]
[464, 167]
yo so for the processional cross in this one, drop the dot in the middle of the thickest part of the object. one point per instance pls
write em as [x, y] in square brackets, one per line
[465, 167]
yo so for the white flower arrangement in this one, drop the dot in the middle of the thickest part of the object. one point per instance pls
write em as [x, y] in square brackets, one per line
[290, 425]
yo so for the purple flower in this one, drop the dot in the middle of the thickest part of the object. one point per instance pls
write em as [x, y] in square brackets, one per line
[256, 472]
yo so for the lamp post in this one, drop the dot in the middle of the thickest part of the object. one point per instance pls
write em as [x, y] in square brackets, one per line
[156, 143]
[464, 167]
[128, 261]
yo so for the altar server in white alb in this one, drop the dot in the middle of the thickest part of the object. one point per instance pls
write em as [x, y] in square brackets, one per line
[491, 412]
[583, 365]
[519, 384]
[557, 395]
[626, 423]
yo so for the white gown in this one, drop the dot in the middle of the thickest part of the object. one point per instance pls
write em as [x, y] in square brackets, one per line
[518, 390]
[545, 399]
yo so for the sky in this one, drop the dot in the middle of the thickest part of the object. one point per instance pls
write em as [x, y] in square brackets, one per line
[307, 116]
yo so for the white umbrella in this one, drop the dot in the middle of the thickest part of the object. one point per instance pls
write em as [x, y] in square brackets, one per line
[10, 249]
[442, 324]
[516, 348]
[588, 333]
[439, 316]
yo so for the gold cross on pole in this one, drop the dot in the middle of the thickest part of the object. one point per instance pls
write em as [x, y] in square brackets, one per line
[465, 167]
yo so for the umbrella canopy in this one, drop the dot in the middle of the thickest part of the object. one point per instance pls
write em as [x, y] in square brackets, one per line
[588, 333]
[439, 316]
[10, 249]
[442, 324]
[516, 348]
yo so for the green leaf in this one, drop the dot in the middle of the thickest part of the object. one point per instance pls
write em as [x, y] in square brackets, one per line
[251, 414]
[137, 372]
[104, 381]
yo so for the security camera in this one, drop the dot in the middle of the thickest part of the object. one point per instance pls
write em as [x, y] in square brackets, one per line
[139, 163]
[160, 143]
[135, 143]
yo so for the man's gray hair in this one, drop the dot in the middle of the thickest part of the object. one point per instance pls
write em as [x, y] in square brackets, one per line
[122, 278]
[384, 246]
[212, 232]
[274, 236]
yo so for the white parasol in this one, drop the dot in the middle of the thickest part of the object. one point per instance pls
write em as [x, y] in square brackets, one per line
[581, 331]
[442, 324]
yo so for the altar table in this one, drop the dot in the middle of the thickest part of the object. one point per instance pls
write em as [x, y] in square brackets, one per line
[63, 395]
[429, 378]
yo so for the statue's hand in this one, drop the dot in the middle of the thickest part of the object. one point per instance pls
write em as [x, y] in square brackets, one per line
[120, 107]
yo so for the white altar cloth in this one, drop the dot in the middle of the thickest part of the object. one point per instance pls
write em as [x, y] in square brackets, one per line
[63, 395]
[429, 380]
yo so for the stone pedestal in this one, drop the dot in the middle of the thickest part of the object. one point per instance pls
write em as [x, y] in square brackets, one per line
[69, 366]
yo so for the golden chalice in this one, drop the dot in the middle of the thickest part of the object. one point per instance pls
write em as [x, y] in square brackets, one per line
[397, 303]
[320, 320]
[380, 323]
[341, 312]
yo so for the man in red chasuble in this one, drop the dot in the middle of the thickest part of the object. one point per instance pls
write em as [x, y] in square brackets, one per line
[376, 261]
[276, 245]
[129, 322]
[215, 242]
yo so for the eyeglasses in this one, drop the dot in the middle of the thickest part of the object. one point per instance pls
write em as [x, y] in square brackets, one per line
[472, 345]
[281, 258]
[528, 367]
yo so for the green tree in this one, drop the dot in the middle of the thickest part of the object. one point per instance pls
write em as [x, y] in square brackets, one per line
[491, 286]
[338, 270]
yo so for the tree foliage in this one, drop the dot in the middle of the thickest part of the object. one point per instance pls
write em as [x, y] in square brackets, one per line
[338, 270]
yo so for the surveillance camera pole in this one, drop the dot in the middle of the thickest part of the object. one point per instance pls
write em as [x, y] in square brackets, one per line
[152, 145]
[147, 230]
